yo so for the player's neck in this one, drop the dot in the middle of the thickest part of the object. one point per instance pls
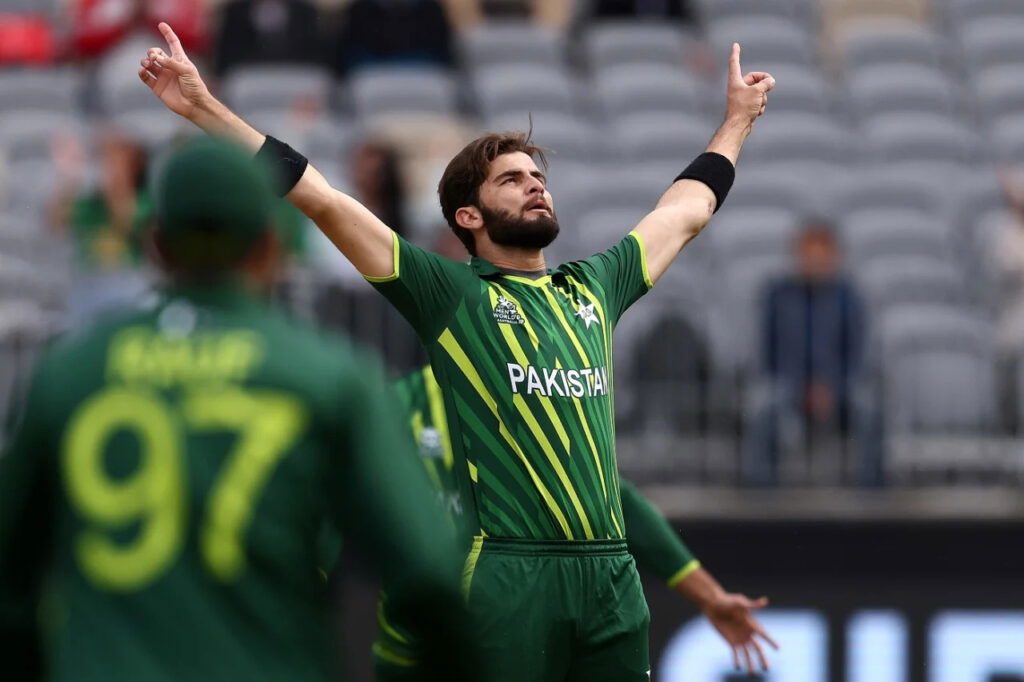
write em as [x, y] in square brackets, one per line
[511, 258]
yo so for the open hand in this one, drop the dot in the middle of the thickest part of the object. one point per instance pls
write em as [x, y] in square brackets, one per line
[733, 617]
[174, 79]
[747, 96]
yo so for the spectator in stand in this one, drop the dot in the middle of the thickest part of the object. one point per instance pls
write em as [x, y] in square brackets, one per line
[262, 31]
[377, 183]
[551, 14]
[393, 32]
[26, 39]
[1007, 261]
[109, 34]
[812, 346]
[107, 224]
[97, 26]
[644, 9]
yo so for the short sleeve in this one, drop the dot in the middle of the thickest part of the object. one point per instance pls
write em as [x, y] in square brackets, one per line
[424, 287]
[621, 272]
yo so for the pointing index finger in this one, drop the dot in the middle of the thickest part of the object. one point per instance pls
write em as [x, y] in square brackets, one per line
[735, 73]
[172, 40]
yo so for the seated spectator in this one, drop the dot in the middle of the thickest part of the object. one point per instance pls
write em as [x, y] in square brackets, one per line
[552, 14]
[26, 39]
[107, 224]
[97, 26]
[643, 9]
[812, 342]
[267, 31]
[377, 183]
[1007, 261]
[393, 32]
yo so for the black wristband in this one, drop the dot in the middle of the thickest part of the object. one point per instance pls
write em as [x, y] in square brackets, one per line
[286, 165]
[715, 171]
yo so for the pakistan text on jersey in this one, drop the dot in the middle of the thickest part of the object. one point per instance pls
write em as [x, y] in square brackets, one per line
[577, 383]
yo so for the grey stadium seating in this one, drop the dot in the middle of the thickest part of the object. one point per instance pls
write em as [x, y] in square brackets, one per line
[629, 42]
[511, 42]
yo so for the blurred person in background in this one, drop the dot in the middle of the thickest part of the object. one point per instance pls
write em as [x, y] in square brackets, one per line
[267, 31]
[175, 467]
[1007, 261]
[550, 582]
[376, 176]
[548, 14]
[652, 541]
[644, 9]
[393, 32]
[812, 342]
[106, 224]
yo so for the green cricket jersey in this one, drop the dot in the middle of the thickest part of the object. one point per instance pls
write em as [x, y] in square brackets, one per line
[650, 538]
[162, 499]
[526, 366]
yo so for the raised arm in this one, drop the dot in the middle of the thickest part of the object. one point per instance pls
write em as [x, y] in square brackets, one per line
[687, 206]
[352, 227]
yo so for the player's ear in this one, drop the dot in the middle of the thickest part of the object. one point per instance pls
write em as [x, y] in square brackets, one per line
[469, 217]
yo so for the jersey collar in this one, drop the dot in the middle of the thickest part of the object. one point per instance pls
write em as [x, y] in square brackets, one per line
[485, 268]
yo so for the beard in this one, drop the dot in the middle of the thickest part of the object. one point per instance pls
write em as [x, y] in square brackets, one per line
[519, 232]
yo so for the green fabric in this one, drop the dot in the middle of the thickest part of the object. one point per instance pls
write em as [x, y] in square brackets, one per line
[213, 185]
[560, 615]
[654, 543]
[650, 538]
[171, 475]
[97, 244]
[526, 367]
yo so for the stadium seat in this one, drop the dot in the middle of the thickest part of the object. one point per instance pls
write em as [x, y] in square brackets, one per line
[798, 89]
[877, 41]
[660, 136]
[993, 42]
[563, 137]
[718, 10]
[27, 136]
[28, 187]
[1000, 91]
[882, 187]
[893, 280]
[33, 90]
[1008, 139]
[800, 137]
[926, 350]
[256, 87]
[633, 88]
[764, 40]
[523, 88]
[602, 228]
[631, 42]
[510, 42]
[739, 232]
[903, 88]
[960, 11]
[153, 128]
[903, 137]
[870, 233]
[735, 322]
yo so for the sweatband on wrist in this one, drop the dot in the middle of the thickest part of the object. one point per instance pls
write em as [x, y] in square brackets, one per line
[286, 165]
[714, 170]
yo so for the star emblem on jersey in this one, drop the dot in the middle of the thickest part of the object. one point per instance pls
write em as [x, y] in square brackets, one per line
[587, 314]
[506, 312]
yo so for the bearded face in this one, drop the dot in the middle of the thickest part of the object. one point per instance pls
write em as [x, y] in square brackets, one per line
[534, 227]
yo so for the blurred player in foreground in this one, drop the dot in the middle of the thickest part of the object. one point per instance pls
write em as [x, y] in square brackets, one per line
[162, 499]
[523, 354]
[651, 540]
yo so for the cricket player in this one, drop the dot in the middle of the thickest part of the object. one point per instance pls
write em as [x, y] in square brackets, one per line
[162, 499]
[523, 355]
[650, 539]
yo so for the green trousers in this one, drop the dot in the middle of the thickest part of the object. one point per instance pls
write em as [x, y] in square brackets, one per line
[547, 612]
